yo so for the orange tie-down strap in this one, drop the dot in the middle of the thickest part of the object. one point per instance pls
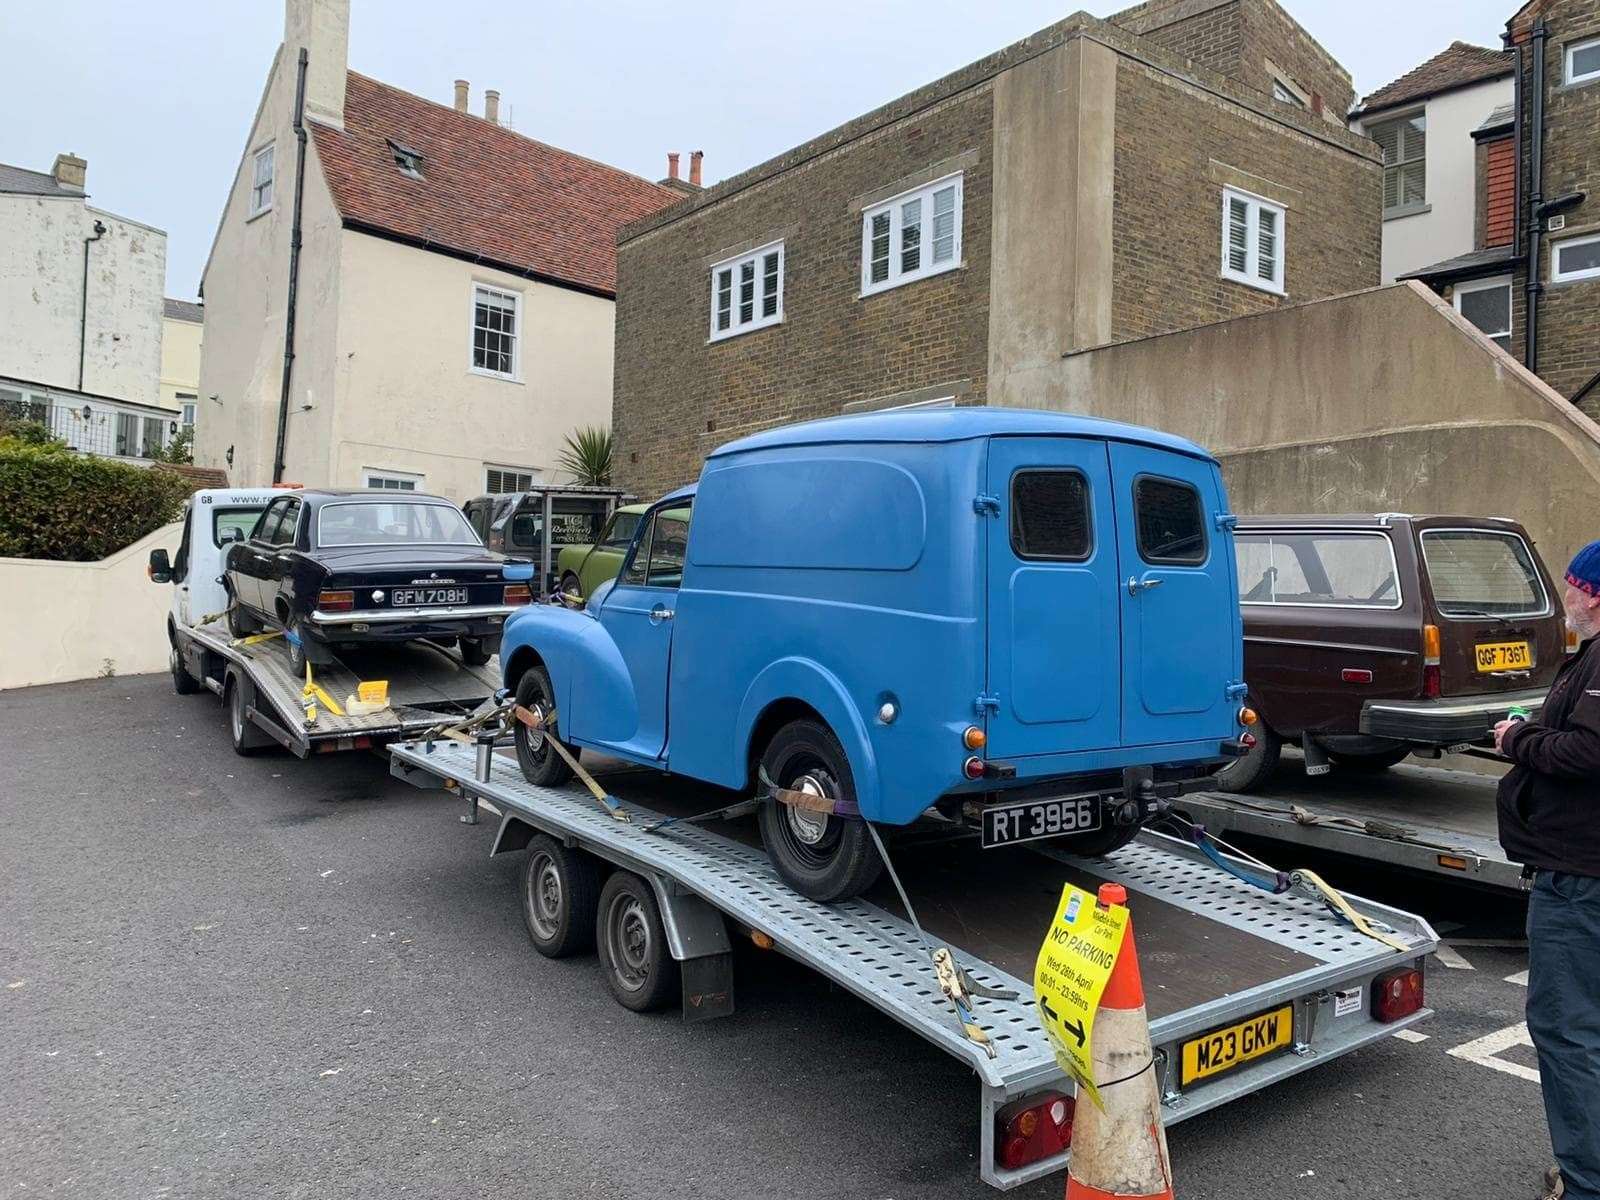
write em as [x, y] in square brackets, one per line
[536, 720]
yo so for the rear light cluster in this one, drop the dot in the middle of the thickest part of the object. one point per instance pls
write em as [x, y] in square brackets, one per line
[336, 601]
[517, 593]
[1032, 1129]
[1432, 686]
[1397, 994]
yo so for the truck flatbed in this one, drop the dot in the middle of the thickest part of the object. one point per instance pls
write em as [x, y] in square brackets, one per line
[1213, 950]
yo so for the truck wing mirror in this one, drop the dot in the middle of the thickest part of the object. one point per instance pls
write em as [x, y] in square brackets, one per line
[160, 567]
[235, 534]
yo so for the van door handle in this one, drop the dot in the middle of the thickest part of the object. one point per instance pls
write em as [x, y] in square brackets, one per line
[659, 614]
[1137, 585]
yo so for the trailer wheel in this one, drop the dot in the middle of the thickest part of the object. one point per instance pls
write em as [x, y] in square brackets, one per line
[1242, 774]
[247, 739]
[183, 683]
[824, 858]
[541, 766]
[1380, 760]
[560, 898]
[473, 652]
[639, 968]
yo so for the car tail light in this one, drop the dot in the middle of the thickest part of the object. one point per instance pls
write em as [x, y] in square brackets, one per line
[1432, 685]
[1355, 675]
[1397, 994]
[1032, 1129]
[974, 738]
[1572, 642]
[516, 593]
[336, 601]
[973, 768]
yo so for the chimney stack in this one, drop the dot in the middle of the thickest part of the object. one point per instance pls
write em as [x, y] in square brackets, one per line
[461, 95]
[70, 171]
[694, 167]
[672, 164]
[491, 106]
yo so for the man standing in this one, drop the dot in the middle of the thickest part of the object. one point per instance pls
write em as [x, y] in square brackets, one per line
[1549, 808]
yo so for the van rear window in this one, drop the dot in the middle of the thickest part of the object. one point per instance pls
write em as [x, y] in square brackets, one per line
[1050, 515]
[1478, 572]
[1170, 521]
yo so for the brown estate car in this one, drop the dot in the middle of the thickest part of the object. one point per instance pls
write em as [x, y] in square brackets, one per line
[1370, 637]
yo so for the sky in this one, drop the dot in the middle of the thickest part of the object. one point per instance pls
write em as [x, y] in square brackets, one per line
[158, 98]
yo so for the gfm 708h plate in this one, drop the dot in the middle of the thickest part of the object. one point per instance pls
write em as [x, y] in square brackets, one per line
[1034, 820]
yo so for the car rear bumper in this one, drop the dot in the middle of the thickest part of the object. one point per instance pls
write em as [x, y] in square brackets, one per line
[417, 616]
[1446, 721]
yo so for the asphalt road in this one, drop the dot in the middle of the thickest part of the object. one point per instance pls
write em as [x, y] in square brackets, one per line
[240, 977]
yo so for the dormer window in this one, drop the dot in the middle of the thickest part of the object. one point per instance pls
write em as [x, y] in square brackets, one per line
[409, 161]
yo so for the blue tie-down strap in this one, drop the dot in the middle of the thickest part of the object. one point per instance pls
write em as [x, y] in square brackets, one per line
[1281, 882]
[517, 571]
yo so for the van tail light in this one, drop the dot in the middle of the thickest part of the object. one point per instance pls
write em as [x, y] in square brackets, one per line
[1397, 994]
[336, 601]
[973, 768]
[1032, 1129]
[1248, 716]
[1247, 740]
[1572, 642]
[516, 593]
[1432, 684]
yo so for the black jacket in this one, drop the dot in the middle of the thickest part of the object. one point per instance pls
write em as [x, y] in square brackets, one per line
[1549, 802]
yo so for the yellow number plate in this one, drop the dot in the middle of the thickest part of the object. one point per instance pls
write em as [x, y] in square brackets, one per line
[1503, 656]
[1223, 1049]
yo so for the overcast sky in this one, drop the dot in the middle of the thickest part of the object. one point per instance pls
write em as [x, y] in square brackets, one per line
[158, 97]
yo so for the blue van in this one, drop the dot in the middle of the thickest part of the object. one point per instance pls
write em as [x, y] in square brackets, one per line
[1020, 621]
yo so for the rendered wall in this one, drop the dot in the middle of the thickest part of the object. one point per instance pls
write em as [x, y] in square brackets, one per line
[180, 361]
[85, 620]
[1383, 400]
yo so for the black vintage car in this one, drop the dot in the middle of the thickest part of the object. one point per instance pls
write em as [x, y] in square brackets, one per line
[344, 568]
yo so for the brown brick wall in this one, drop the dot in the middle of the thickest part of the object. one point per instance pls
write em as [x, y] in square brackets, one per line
[1176, 149]
[678, 397]
[1213, 38]
[1271, 33]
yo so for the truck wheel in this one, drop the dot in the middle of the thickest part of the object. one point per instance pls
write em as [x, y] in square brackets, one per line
[1242, 774]
[639, 968]
[560, 898]
[183, 683]
[473, 652]
[824, 858]
[247, 739]
[541, 766]
[1378, 760]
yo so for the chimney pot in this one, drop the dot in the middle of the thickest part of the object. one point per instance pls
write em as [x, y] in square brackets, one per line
[70, 171]
[491, 106]
[694, 167]
[672, 164]
[461, 95]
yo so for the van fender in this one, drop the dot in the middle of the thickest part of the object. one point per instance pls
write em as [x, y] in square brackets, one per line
[594, 690]
[811, 683]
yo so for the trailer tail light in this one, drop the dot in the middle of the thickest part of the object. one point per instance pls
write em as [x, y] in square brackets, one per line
[336, 601]
[1432, 684]
[1032, 1129]
[516, 593]
[1397, 994]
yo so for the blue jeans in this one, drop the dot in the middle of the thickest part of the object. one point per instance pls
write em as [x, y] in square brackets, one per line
[1564, 1020]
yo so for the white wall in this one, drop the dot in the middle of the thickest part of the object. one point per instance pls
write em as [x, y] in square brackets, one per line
[1446, 229]
[85, 619]
[41, 297]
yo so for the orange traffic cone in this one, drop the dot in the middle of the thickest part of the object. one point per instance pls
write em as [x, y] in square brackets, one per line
[1121, 1151]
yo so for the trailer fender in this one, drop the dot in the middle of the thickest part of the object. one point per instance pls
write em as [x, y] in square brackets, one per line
[514, 834]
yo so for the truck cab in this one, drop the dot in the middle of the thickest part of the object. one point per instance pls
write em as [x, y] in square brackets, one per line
[213, 519]
[1025, 622]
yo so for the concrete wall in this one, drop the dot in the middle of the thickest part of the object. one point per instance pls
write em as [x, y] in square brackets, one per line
[41, 297]
[1384, 400]
[180, 360]
[85, 619]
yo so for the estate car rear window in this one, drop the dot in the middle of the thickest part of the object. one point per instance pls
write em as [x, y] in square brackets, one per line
[1169, 520]
[1346, 570]
[1050, 515]
[1478, 572]
[384, 523]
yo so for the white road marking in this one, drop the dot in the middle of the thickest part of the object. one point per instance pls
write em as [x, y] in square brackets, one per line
[1520, 979]
[1483, 1051]
[1451, 959]
[1410, 1035]
[1491, 943]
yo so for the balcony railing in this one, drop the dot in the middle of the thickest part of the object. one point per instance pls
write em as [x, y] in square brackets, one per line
[93, 426]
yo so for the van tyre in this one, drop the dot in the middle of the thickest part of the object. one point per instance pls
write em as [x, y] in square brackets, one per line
[473, 652]
[638, 966]
[824, 858]
[183, 683]
[1242, 774]
[1378, 760]
[242, 731]
[560, 898]
[541, 765]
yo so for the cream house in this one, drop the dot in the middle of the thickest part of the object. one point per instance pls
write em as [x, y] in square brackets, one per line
[454, 286]
[182, 323]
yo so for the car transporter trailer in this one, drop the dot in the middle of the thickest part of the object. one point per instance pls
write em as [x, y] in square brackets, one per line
[1217, 953]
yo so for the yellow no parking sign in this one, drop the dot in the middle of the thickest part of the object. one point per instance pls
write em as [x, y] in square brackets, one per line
[1071, 972]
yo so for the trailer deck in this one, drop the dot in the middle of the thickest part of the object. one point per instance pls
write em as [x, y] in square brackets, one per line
[1213, 951]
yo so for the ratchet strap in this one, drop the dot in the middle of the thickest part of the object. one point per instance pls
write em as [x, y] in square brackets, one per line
[312, 694]
[806, 801]
[1371, 826]
[537, 720]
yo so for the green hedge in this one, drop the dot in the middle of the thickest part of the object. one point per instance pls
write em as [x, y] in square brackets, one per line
[61, 505]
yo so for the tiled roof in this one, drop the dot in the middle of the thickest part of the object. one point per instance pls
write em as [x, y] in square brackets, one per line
[485, 192]
[183, 310]
[1462, 63]
[1465, 266]
[21, 181]
[198, 477]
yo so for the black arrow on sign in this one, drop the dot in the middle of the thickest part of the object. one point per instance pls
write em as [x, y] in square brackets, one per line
[1076, 1030]
[1050, 1013]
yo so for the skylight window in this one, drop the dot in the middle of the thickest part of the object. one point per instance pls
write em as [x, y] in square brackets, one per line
[408, 160]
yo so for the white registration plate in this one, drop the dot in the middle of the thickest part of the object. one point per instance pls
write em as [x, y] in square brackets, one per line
[1031, 820]
[414, 596]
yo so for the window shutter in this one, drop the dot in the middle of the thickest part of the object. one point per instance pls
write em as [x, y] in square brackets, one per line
[1267, 244]
[1238, 235]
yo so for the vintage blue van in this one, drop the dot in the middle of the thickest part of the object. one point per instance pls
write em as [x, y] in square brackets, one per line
[1022, 621]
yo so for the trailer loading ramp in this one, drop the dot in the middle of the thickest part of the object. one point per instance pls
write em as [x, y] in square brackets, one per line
[1213, 950]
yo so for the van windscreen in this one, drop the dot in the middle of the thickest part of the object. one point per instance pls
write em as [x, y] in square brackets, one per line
[1479, 571]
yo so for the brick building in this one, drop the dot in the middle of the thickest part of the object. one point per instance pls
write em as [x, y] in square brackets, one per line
[1185, 161]
[1538, 200]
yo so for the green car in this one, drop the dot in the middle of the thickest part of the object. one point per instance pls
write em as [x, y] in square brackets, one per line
[581, 568]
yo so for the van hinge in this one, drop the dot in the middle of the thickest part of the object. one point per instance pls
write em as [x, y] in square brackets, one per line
[986, 702]
[986, 505]
[1226, 520]
[1238, 691]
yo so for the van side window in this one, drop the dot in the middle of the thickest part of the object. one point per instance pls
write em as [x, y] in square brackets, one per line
[668, 543]
[1170, 521]
[634, 572]
[1050, 515]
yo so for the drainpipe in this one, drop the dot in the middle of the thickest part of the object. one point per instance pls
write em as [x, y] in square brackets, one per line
[294, 268]
[1516, 142]
[83, 309]
[1530, 351]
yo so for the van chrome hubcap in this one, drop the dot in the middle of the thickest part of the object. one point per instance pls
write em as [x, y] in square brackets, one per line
[809, 827]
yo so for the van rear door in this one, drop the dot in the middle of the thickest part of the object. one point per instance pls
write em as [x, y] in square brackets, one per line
[1054, 644]
[1181, 642]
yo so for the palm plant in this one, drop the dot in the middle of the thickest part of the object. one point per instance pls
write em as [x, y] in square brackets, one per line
[587, 456]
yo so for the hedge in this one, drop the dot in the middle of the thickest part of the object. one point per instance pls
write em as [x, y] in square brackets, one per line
[60, 505]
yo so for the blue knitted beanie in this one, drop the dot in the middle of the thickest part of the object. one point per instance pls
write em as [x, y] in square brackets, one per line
[1584, 573]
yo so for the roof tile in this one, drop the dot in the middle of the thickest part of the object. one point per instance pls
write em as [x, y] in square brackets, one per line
[1456, 66]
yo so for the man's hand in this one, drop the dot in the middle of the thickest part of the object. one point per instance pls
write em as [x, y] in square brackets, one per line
[1500, 733]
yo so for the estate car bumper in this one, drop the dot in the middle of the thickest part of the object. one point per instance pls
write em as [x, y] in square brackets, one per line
[1447, 721]
[416, 616]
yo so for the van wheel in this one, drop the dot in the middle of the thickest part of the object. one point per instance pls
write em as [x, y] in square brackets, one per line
[639, 968]
[824, 858]
[246, 738]
[183, 683]
[541, 766]
[473, 652]
[560, 898]
[1379, 760]
[1242, 774]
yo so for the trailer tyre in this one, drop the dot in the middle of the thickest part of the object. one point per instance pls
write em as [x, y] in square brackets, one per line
[560, 898]
[639, 967]
[183, 683]
[1242, 774]
[824, 858]
[246, 738]
[541, 766]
